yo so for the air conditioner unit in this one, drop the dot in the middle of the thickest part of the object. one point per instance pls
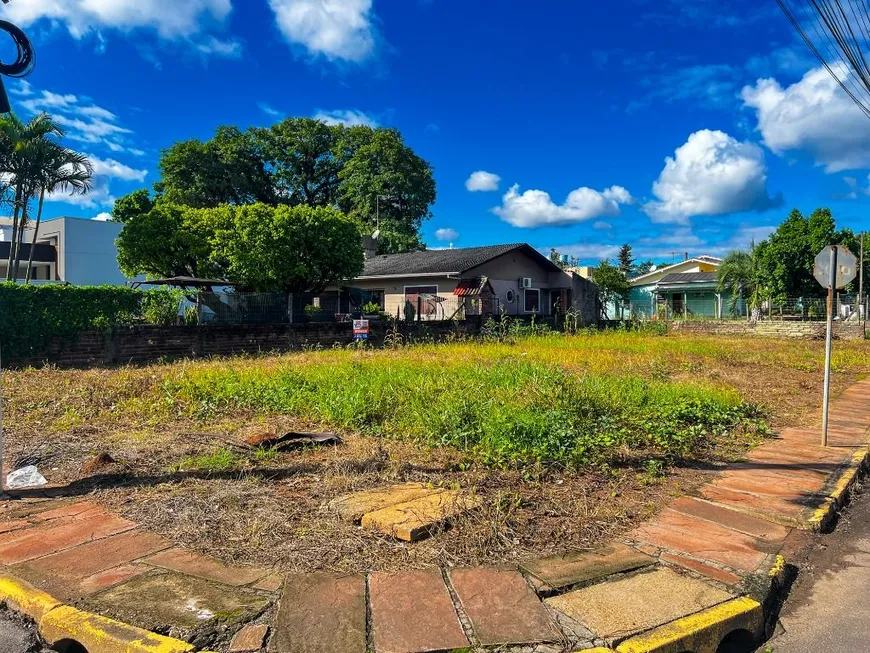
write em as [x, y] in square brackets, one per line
[526, 282]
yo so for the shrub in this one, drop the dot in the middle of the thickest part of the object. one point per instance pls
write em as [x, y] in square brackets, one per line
[31, 315]
[161, 306]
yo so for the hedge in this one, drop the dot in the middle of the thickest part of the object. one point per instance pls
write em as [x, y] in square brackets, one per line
[33, 315]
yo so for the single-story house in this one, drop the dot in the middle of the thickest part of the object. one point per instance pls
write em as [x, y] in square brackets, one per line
[685, 288]
[452, 283]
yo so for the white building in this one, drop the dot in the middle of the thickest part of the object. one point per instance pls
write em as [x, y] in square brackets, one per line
[78, 251]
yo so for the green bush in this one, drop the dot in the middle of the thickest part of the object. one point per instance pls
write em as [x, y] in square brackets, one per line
[30, 315]
[161, 306]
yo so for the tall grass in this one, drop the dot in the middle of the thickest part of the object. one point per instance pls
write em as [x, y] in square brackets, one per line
[493, 402]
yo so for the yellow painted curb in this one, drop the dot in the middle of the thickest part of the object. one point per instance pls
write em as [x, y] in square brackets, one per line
[825, 512]
[702, 632]
[25, 598]
[103, 635]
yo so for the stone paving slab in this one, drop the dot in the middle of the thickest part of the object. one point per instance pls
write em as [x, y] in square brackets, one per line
[194, 564]
[576, 567]
[737, 521]
[155, 601]
[353, 506]
[249, 639]
[31, 543]
[703, 539]
[419, 518]
[321, 613]
[501, 606]
[412, 612]
[623, 607]
[109, 578]
[702, 568]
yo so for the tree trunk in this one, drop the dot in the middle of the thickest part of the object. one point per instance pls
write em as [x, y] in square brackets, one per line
[22, 225]
[15, 228]
[35, 234]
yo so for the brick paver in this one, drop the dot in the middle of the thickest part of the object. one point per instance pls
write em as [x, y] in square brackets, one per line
[502, 607]
[194, 564]
[702, 568]
[111, 577]
[737, 521]
[412, 612]
[321, 613]
[575, 567]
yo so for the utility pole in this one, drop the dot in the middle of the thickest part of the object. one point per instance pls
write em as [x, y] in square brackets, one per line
[861, 311]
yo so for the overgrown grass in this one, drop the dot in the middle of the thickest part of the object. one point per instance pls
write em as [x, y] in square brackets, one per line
[509, 409]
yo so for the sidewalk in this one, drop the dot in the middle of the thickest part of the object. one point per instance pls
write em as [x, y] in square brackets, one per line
[677, 583]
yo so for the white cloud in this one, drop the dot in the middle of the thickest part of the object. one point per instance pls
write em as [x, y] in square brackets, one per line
[710, 174]
[116, 170]
[534, 208]
[98, 196]
[102, 217]
[589, 251]
[181, 19]
[482, 181]
[601, 224]
[82, 16]
[227, 48]
[346, 117]
[269, 110]
[335, 29]
[813, 115]
[446, 234]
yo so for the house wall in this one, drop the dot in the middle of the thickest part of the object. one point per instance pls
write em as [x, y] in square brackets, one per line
[86, 251]
[505, 273]
[394, 291]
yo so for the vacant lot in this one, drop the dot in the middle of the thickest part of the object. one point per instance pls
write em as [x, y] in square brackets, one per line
[567, 438]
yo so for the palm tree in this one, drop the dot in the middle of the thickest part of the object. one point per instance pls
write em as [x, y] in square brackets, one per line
[738, 275]
[23, 163]
[63, 171]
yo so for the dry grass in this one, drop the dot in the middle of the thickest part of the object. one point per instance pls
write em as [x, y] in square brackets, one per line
[267, 508]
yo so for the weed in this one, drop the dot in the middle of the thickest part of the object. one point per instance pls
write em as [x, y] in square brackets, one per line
[220, 460]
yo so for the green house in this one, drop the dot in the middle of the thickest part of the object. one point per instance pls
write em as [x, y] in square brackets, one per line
[683, 290]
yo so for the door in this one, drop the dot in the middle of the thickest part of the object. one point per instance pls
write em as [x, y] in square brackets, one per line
[677, 303]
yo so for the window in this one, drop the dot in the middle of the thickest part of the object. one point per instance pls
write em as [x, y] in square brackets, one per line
[532, 300]
[378, 297]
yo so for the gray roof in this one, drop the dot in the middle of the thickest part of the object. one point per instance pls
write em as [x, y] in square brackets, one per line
[689, 277]
[443, 261]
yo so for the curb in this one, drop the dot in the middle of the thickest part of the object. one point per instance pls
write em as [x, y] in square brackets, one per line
[63, 624]
[824, 516]
[739, 620]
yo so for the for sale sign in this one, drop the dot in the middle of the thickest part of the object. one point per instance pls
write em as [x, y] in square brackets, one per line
[361, 329]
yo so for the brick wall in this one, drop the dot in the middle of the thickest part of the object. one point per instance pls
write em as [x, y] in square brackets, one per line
[774, 329]
[142, 344]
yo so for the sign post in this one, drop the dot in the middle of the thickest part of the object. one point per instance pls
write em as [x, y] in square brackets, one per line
[834, 268]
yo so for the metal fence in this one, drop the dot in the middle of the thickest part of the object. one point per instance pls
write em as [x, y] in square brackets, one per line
[806, 309]
[233, 307]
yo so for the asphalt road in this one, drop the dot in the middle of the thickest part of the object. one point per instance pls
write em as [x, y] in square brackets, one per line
[17, 635]
[829, 606]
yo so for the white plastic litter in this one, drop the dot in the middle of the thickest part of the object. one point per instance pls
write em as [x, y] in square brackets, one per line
[25, 477]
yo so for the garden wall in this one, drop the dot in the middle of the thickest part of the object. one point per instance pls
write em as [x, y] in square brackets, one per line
[773, 329]
[145, 343]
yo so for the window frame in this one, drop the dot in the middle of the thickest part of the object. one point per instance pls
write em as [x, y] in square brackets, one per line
[526, 291]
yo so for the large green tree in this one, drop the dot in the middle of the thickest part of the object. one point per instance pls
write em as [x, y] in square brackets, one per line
[368, 173]
[626, 260]
[785, 258]
[613, 284]
[740, 277]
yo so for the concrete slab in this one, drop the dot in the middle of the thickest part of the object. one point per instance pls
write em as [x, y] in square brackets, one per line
[412, 612]
[576, 567]
[417, 519]
[321, 613]
[623, 607]
[503, 609]
[109, 578]
[353, 506]
[193, 564]
[156, 601]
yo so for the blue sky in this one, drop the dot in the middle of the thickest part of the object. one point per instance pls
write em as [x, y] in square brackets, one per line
[675, 126]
